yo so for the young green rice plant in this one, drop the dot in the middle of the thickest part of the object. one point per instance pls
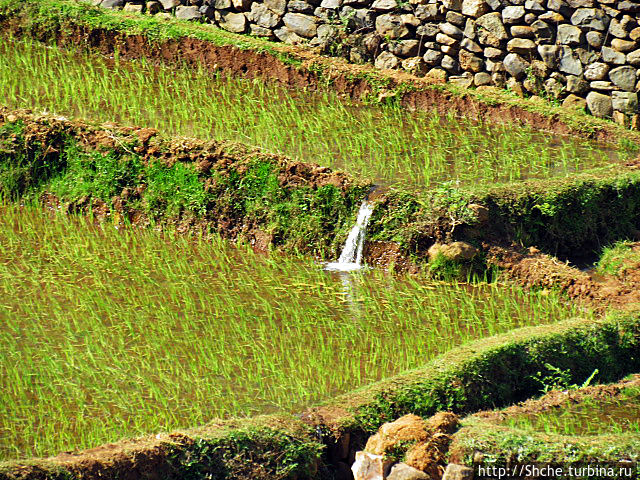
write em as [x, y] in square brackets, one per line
[111, 332]
[385, 143]
[589, 417]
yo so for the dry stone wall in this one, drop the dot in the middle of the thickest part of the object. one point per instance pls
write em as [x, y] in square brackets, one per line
[583, 53]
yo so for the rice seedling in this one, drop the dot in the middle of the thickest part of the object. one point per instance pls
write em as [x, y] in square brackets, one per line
[589, 417]
[109, 333]
[385, 143]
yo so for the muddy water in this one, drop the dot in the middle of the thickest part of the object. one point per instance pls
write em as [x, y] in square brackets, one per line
[107, 333]
[591, 417]
[387, 144]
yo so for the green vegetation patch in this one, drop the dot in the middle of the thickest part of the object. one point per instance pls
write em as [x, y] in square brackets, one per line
[618, 258]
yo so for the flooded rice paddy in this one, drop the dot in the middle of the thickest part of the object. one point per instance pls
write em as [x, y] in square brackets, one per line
[618, 415]
[113, 333]
[385, 143]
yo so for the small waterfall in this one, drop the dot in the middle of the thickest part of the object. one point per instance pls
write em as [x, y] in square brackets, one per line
[351, 256]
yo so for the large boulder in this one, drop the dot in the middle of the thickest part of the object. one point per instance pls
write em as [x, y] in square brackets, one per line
[599, 104]
[624, 78]
[301, 24]
[370, 467]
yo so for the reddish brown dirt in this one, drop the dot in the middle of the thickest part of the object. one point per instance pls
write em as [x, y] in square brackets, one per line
[532, 268]
[344, 78]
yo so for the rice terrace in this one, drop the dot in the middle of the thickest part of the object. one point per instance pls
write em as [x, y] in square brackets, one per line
[319, 239]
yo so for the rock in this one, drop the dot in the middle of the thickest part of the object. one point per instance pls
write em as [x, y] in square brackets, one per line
[493, 53]
[409, 19]
[602, 86]
[512, 14]
[451, 30]
[568, 62]
[455, 5]
[522, 31]
[222, 4]
[543, 32]
[391, 26]
[620, 45]
[133, 8]
[539, 69]
[286, 35]
[300, 6]
[574, 102]
[437, 75]
[457, 472]
[474, 8]
[552, 17]
[432, 57]
[609, 55]
[521, 46]
[258, 31]
[456, 251]
[482, 78]
[370, 467]
[407, 428]
[404, 48]
[264, 17]
[577, 85]
[499, 79]
[456, 18]
[301, 24]
[620, 118]
[599, 105]
[443, 39]
[469, 62]
[470, 45]
[490, 30]
[620, 28]
[428, 13]
[384, 5]
[554, 87]
[630, 7]
[387, 60]
[634, 58]
[153, 7]
[449, 64]
[465, 80]
[590, 18]
[169, 4]
[569, 35]
[624, 78]
[415, 65]
[276, 6]
[331, 4]
[596, 71]
[112, 4]
[402, 471]
[233, 22]
[428, 30]
[595, 39]
[586, 56]
[625, 102]
[451, 50]
[635, 34]
[188, 13]
[516, 66]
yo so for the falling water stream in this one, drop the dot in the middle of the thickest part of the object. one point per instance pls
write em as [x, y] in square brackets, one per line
[351, 256]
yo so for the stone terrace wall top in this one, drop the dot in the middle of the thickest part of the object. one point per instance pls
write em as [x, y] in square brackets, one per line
[583, 53]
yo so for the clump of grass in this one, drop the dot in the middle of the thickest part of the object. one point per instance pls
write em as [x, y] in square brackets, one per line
[616, 259]
[589, 417]
[111, 333]
[385, 143]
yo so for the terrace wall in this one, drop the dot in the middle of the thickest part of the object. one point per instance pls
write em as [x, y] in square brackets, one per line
[584, 53]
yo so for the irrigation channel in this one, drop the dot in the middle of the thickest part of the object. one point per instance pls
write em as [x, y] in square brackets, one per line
[386, 144]
[111, 333]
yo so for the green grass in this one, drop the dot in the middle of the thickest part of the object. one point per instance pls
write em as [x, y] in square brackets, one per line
[617, 258]
[385, 143]
[589, 417]
[112, 333]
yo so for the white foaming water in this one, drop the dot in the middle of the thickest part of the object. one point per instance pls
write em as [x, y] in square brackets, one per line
[351, 256]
